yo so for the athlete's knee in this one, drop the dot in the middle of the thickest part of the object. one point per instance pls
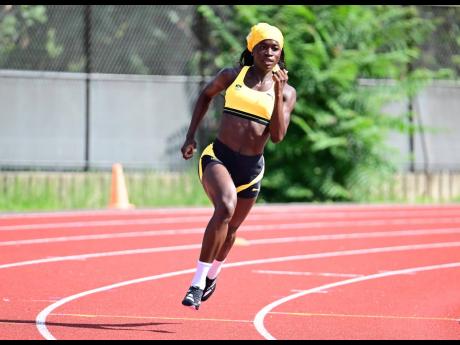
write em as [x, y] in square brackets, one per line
[225, 208]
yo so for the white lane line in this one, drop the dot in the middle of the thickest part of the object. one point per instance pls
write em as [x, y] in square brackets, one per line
[295, 273]
[269, 208]
[262, 241]
[105, 212]
[40, 320]
[244, 228]
[100, 255]
[114, 235]
[252, 217]
[259, 319]
[355, 235]
[297, 290]
[100, 223]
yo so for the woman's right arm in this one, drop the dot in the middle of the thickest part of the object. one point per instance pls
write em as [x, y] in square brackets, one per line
[220, 82]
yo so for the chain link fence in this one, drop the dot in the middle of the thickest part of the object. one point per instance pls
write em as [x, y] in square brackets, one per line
[442, 48]
[117, 39]
[151, 39]
[143, 40]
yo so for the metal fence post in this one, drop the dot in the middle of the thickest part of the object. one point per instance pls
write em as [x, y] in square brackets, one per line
[87, 44]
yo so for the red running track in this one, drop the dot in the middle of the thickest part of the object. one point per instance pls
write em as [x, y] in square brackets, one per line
[296, 272]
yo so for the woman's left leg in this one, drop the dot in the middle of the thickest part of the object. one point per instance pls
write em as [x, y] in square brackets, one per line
[243, 206]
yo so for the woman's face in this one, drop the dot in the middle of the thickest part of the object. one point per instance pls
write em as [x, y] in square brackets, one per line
[266, 54]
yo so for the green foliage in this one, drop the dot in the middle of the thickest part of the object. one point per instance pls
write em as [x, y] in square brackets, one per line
[15, 21]
[441, 51]
[334, 148]
[131, 39]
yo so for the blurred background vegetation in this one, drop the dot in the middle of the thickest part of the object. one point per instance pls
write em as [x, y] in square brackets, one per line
[336, 144]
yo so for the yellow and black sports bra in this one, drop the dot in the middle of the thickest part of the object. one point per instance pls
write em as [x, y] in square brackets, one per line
[247, 103]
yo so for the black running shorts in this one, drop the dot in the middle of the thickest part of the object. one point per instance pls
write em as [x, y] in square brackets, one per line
[246, 171]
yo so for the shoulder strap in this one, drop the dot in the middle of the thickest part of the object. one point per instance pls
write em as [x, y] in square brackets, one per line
[242, 74]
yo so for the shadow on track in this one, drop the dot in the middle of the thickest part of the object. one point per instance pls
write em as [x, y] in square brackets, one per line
[108, 326]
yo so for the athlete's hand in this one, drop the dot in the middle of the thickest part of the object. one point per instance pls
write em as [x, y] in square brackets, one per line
[189, 148]
[280, 77]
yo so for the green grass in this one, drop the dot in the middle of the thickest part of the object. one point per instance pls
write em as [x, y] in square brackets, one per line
[27, 191]
[37, 191]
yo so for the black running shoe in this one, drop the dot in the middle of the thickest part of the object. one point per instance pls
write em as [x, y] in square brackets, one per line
[193, 297]
[209, 288]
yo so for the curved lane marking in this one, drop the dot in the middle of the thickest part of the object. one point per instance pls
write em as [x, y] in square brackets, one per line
[259, 319]
[40, 320]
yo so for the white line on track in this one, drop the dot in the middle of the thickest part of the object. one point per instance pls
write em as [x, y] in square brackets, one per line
[259, 318]
[269, 208]
[40, 320]
[100, 255]
[295, 273]
[297, 290]
[244, 228]
[104, 212]
[261, 241]
[252, 217]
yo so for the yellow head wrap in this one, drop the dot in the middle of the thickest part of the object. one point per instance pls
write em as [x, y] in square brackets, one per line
[264, 31]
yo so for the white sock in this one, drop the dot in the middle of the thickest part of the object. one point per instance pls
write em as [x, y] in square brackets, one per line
[199, 279]
[215, 269]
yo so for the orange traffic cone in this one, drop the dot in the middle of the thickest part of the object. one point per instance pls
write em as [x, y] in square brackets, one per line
[119, 194]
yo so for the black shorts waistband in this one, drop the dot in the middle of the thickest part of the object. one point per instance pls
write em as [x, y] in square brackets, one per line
[221, 149]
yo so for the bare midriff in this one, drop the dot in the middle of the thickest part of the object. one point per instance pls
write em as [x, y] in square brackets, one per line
[241, 135]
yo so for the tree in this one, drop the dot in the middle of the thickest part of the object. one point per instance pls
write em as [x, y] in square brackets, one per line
[15, 24]
[124, 39]
[335, 143]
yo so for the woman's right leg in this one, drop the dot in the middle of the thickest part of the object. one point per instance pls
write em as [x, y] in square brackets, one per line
[221, 190]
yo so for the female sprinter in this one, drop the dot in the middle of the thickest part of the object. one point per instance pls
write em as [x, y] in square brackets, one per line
[258, 106]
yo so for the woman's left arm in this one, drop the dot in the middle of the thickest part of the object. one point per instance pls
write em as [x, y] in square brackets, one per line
[285, 99]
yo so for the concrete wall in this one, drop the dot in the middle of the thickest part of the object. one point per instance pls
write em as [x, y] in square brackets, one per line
[140, 121]
[437, 146]
[41, 118]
